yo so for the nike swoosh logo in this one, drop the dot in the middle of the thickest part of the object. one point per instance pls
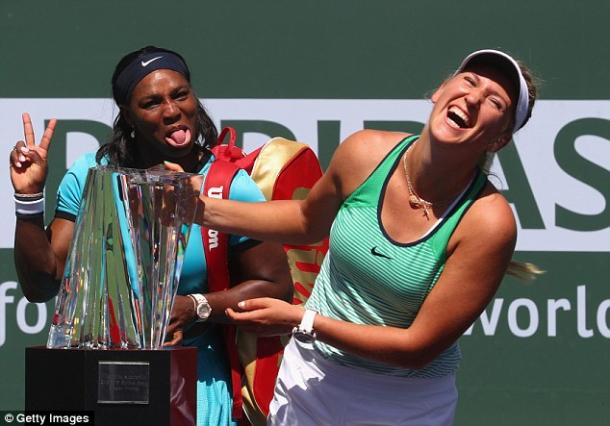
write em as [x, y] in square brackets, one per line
[374, 252]
[145, 63]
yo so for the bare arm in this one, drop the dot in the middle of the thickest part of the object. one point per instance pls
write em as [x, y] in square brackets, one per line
[307, 221]
[289, 221]
[39, 255]
[471, 277]
[260, 271]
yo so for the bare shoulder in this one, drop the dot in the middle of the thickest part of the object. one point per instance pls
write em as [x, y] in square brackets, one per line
[366, 142]
[490, 221]
[359, 154]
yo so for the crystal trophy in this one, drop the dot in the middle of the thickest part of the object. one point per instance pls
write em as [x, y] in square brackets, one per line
[123, 267]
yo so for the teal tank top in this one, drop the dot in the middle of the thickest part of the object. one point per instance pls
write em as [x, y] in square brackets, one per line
[368, 278]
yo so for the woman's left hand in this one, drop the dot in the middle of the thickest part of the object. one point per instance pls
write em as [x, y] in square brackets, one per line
[266, 316]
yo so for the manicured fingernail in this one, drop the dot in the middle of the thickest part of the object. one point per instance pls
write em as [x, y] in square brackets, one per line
[17, 164]
[25, 149]
[21, 158]
[242, 304]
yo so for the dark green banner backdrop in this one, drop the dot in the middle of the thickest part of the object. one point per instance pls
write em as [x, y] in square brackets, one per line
[539, 355]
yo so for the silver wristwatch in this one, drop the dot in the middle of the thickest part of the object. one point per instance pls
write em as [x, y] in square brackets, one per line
[202, 307]
[304, 332]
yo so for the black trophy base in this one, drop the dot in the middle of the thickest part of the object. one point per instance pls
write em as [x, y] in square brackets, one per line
[121, 387]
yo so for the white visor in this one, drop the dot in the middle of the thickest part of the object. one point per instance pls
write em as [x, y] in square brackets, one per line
[523, 101]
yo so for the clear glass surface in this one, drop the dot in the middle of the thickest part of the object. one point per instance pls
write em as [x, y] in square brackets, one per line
[125, 260]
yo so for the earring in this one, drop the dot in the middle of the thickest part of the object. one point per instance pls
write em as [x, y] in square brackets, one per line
[133, 134]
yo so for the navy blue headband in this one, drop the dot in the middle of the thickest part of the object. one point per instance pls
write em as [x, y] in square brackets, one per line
[141, 67]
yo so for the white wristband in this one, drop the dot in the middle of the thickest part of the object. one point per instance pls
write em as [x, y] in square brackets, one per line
[307, 321]
[29, 208]
[305, 332]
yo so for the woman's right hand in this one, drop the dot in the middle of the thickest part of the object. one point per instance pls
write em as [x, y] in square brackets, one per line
[194, 206]
[28, 161]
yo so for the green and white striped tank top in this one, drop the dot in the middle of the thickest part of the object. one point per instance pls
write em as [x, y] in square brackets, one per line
[368, 278]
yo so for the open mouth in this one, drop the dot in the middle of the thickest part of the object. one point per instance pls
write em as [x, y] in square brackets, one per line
[179, 136]
[458, 117]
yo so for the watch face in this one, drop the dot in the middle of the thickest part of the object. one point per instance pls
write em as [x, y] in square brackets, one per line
[304, 337]
[203, 311]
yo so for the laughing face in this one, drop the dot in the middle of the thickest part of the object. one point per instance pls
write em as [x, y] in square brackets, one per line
[474, 107]
[163, 112]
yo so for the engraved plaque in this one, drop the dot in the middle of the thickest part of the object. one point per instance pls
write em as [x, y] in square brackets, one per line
[123, 382]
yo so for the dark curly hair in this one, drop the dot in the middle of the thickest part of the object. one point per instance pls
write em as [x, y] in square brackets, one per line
[120, 150]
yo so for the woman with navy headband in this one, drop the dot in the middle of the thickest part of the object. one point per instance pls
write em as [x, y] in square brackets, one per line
[160, 120]
[419, 242]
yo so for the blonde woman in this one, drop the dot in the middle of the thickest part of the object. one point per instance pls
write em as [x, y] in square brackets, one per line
[419, 243]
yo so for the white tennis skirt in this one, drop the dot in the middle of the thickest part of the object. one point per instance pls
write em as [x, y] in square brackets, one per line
[313, 390]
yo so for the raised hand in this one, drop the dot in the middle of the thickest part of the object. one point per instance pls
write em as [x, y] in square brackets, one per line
[28, 161]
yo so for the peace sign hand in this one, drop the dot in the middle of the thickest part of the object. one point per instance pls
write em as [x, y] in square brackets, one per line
[28, 161]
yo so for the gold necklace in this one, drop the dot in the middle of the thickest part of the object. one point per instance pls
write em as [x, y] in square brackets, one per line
[415, 200]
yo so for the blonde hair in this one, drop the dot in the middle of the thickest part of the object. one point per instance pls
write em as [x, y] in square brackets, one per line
[525, 271]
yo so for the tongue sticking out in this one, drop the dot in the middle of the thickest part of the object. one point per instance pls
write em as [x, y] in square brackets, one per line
[179, 137]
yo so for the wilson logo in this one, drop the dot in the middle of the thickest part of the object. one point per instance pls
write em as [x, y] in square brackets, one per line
[214, 192]
[212, 238]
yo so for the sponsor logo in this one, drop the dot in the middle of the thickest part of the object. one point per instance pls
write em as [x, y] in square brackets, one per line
[214, 192]
[374, 252]
[555, 175]
[524, 317]
[212, 238]
[146, 63]
[24, 322]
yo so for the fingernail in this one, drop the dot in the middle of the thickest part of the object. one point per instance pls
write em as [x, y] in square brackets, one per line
[17, 164]
[21, 158]
[242, 304]
[25, 149]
